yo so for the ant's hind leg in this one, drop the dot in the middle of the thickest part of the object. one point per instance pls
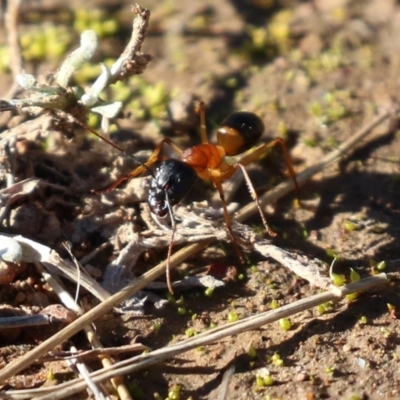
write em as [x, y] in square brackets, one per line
[256, 153]
[254, 195]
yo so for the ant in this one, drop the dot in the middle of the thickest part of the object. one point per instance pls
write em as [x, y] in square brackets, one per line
[173, 178]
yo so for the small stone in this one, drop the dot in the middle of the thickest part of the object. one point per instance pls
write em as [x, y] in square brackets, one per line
[60, 313]
[40, 299]
[346, 348]
[93, 271]
[311, 45]
[20, 298]
[301, 377]
[7, 272]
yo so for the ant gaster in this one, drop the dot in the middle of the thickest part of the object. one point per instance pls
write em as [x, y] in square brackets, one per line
[173, 178]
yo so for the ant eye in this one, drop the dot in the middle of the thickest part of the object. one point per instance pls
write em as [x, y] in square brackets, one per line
[172, 177]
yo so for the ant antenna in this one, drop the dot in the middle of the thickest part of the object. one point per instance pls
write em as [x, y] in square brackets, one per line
[83, 125]
[173, 226]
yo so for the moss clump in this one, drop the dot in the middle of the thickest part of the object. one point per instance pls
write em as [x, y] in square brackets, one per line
[47, 42]
[97, 20]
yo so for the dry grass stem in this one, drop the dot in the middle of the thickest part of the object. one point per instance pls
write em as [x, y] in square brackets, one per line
[205, 338]
[35, 252]
[124, 349]
[85, 374]
[223, 388]
[95, 313]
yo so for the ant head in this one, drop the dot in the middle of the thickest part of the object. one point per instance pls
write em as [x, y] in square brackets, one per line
[239, 132]
[172, 181]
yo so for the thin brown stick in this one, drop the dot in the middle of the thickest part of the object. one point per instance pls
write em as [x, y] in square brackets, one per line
[14, 48]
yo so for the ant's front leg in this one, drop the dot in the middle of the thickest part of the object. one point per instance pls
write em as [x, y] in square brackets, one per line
[155, 157]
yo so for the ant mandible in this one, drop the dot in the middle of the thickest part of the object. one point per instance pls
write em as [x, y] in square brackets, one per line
[173, 178]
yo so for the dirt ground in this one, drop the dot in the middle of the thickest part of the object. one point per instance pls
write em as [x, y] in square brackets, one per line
[315, 72]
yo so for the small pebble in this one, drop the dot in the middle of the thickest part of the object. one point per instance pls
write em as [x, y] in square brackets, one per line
[7, 273]
[346, 348]
[301, 377]
[93, 271]
[19, 298]
[40, 299]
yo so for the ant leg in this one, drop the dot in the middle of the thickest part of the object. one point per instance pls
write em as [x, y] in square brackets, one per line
[259, 151]
[218, 185]
[254, 195]
[201, 109]
[114, 185]
[154, 157]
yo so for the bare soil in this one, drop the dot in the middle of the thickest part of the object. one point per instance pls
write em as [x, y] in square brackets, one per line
[335, 68]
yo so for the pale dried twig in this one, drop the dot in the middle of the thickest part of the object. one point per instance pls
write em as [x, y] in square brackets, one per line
[124, 349]
[314, 271]
[132, 61]
[69, 302]
[223, 389]
[93, 314]
[35, 252]
[85, 374]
